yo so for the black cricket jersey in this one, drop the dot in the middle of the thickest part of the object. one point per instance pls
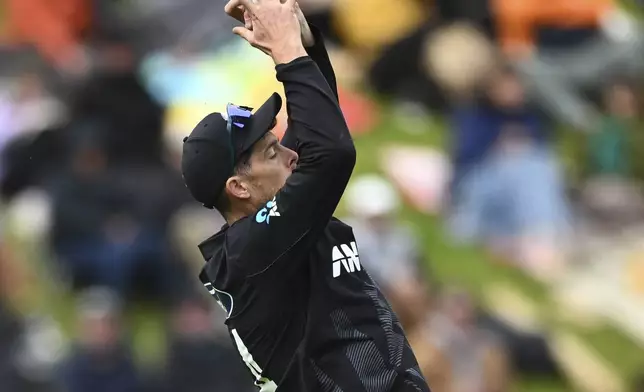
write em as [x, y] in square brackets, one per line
[301, 309]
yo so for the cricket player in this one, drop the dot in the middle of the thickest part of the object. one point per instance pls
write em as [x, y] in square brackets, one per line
[302, 311]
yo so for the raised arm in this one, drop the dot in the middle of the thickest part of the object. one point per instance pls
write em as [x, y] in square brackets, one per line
[304, 206]
[313, 42]
[316, 49]
[318, 53]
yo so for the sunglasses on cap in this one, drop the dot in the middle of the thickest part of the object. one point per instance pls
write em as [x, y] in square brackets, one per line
[238, 117]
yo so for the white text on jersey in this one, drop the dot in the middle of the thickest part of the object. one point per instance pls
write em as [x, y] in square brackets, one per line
[345, 256]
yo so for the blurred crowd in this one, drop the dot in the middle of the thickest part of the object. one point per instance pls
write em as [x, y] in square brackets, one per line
[93, 204]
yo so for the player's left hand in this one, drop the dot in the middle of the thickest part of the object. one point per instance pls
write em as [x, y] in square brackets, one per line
[242, 16]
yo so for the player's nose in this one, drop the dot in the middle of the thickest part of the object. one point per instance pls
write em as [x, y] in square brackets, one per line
[292, 159]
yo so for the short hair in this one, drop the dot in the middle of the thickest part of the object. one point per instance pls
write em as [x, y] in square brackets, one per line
[242, 166]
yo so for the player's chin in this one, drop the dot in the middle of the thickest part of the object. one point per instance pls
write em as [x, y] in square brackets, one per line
[284, 179]
[289, 173]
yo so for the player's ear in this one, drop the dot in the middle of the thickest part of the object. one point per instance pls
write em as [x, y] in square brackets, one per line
[237, 187]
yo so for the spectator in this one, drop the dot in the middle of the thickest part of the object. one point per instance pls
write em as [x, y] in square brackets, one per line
[201, 357]
[57, 32]
[508, 191]
[455, 354]
[389, 250]
[30, 119]
[448, 50]
[110, 226]
[567, 47]
[26, 108]
[609, 145]
[365, 26]
[612, 191]
[100, 362]
[113, 203]
[114, 103]
[398, 72]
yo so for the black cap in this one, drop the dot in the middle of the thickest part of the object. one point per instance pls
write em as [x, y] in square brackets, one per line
[211, 151]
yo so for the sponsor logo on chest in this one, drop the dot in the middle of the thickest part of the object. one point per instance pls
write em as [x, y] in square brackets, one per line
[345, 259]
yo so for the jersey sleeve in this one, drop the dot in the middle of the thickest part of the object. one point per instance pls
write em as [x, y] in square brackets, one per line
[289, 225]
[320, 56]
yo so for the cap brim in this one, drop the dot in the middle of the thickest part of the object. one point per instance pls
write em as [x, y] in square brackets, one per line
[262, 120]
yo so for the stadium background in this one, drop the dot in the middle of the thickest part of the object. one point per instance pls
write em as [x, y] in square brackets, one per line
[526, 109]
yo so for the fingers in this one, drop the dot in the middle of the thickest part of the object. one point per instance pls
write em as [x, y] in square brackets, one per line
[237, 13]
[299, 14]
[245, 33]
[232, 5]
[240, 14]
[307, 35]
[248, 20]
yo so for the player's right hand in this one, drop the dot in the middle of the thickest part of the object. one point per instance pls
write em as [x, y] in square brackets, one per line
[308, 39]
[275, 27]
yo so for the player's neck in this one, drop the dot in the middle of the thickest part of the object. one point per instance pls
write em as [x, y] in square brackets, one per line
[233, 217]
[239, 213]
